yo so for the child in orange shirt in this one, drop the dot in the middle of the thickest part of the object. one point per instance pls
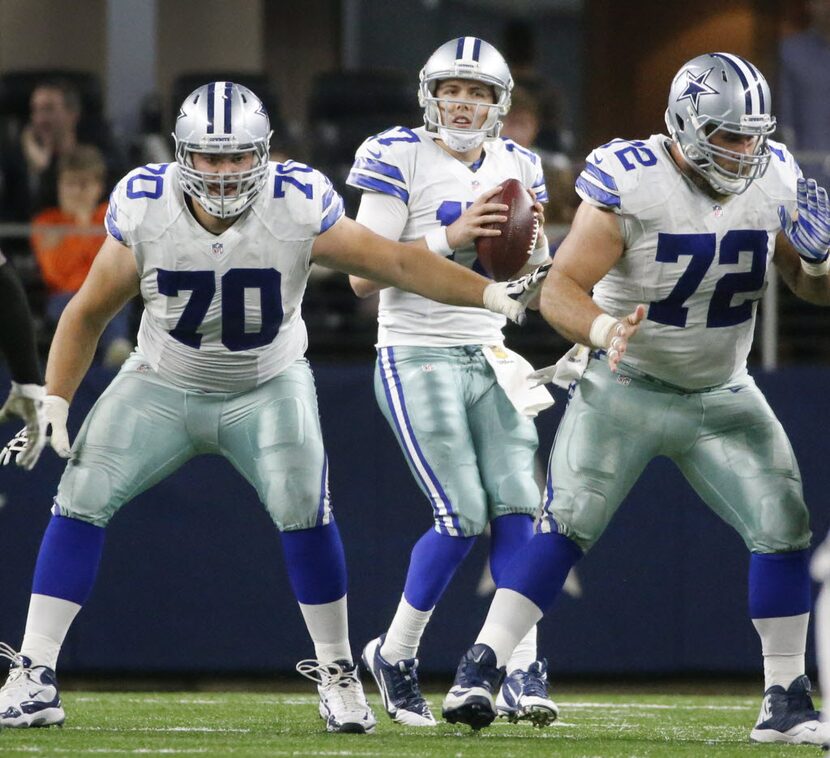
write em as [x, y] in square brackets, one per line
[66, 240]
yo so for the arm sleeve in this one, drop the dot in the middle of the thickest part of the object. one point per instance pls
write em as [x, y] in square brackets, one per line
[384, 214]
[17, 334]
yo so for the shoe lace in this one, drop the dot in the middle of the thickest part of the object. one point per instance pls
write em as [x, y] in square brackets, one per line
[17, 668]
[535, 683]
[473, 674]
[405, 687]
[338, 682]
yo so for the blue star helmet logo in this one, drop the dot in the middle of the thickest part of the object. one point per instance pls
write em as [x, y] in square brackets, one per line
[696, 87]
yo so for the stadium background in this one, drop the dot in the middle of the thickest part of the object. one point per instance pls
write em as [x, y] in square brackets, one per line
[191, 580]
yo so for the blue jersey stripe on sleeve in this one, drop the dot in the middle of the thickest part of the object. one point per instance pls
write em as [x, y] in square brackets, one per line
[112, 227]
[379, 167]
[332, 212]
[597, 193]
[604, 177]
[357, 179]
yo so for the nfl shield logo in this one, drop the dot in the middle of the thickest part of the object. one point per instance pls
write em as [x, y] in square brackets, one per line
[717, 210]
[217, 249]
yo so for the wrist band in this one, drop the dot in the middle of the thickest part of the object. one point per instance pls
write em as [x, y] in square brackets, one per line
[436, 240]
[816, 269]
[601, 329]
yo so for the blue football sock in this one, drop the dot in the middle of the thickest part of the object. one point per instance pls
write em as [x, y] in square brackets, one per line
[779, 584]
[539, 570]
[432, 564]
[316, 563]
[67, 563]
[508, 535]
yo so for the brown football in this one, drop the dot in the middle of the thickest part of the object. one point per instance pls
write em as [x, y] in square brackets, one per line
[503, 256]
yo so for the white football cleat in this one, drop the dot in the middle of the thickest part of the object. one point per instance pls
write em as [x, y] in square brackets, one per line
[30, 696]
[343, 705]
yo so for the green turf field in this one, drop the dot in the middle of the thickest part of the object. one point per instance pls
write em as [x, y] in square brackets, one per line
[286, 724]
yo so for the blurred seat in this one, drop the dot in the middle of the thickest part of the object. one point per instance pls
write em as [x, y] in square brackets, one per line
[346, 107]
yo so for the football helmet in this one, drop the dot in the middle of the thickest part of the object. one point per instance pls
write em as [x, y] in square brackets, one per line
[721, 92]
[222, 117]
[466, 58]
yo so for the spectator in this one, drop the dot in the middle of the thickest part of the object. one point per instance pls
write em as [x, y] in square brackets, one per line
[65, 243]
[522, 124]
[29, 167]
[804, 92]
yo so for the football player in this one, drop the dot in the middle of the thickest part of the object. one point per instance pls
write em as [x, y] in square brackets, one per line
[219, 245]
[469, 446]
[678, 231]
[17, 342]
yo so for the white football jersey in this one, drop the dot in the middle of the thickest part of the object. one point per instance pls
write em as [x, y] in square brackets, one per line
[698, 264]
[436, 188]
[222, 312]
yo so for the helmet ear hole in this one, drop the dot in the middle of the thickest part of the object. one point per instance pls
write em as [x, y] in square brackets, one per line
[680, 122]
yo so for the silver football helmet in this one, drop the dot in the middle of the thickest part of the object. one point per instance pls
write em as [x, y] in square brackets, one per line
[466, 58]
[721, 92]
[222, 117]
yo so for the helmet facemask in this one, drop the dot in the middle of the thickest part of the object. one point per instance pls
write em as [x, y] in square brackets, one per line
[701, 154]
[223, 195]
[223, 118]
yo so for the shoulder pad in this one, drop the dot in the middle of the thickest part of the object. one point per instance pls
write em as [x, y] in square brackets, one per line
[782, 163]
[132, 198]
[531, 166]
[613, 169]
[380, 162]
[309, 197]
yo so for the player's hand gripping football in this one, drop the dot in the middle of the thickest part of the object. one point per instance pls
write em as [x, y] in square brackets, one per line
[474, 221]
[809, 234]
[511, 298]
[26, 446]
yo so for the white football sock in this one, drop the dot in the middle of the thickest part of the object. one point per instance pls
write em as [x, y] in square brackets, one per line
[510, 618]
[783, 642]
[48, 622]
[328, 627]
[405, 632]
[524, 653]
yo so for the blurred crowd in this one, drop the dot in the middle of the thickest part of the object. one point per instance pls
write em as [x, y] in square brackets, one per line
[59, 161]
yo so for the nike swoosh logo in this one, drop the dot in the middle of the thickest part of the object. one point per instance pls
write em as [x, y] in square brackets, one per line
[374, 153]
[460, 690]
[598, 160]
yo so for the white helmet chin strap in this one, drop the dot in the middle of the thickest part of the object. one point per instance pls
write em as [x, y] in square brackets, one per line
[460, 141]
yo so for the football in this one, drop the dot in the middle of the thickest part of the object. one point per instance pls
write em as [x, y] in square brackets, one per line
[503, 256]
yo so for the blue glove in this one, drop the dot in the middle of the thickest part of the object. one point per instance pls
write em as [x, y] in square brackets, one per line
[810, 233]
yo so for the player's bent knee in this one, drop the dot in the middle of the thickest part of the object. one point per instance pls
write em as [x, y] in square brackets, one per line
[581, 515]
[783, 525]
[518, 493]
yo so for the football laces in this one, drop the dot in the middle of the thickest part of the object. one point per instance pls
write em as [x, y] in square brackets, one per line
[535, 236]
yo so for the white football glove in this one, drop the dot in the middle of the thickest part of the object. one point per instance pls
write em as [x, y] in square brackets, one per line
[810, 233]
[511, 298]
[25, 447]
[26, 401]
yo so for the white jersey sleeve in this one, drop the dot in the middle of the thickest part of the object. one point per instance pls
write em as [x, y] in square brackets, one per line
[697, 262]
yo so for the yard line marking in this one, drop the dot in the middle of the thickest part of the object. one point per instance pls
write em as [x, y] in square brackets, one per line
[660, 706]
